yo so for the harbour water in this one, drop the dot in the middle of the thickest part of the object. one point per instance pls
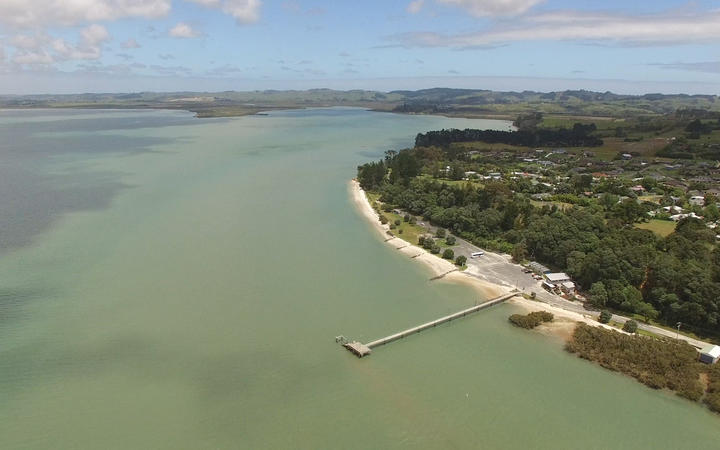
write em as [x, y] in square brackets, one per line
[169, 282]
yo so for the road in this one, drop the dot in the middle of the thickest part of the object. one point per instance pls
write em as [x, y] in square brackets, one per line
[499, 269]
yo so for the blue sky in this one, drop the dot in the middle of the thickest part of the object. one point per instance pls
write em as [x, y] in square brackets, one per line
[134, 45]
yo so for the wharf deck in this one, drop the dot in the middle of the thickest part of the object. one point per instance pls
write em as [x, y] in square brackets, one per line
[361, 350]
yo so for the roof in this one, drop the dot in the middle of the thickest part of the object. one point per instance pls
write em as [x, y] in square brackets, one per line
[536, 266]
[568, 285]
[711, 350]
[556, 277]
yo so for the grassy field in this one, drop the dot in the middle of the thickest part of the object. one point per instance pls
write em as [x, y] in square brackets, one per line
[405, 230]
[660, 227]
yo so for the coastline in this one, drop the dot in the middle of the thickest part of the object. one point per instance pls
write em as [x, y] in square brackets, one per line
[564, 322]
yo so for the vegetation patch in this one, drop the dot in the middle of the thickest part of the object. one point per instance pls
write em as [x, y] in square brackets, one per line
[659, 364]
[531, 320]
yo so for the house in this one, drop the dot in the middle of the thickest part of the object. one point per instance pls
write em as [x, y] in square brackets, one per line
[557, 277]
[568, 287]
[697, 200]
[710, 354]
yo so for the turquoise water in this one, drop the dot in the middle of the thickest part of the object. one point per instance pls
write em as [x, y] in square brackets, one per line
[171, 282]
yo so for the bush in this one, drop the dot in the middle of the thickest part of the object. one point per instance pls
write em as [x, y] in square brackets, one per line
[531, 320]
[400, 231]
[413, 220]
[450, 240]
[387, 207]
[448, 254]
[398, 222]
[392, 226]
[427, 242]
[605, 317]
[434, 249]
[657, 363]
[406, 218]
[440, 232]
[421, 240]
[460, 260]
[383, 219]
[630, 326]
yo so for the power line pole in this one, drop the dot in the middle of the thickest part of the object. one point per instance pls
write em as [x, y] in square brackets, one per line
[677, 336]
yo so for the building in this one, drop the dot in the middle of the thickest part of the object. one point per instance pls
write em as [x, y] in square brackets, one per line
[538, 268]
[697, 200]
[710, 354]
[557, 277]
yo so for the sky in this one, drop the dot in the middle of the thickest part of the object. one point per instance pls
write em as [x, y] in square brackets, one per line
[641, 46]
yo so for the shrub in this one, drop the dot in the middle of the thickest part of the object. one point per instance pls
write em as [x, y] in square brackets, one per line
[400, 231]
[448, 254]
[383, 219]
[392, 226]
[605, 317]
[413, 220]
[531, 320]
[398, 222]
[657, 363]
[421, 240]
[630, 326]
[434, 249]
[460, 260]
[387, 207]
[450, 240]
[440, 232]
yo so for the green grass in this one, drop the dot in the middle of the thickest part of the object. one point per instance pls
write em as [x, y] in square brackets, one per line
[660, 227]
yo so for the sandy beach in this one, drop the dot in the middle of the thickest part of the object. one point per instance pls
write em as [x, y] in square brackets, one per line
[565, 320]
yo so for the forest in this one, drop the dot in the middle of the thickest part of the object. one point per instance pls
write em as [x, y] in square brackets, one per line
[671, 279]
[577, 136]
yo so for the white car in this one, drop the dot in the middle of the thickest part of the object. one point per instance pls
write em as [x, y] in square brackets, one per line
[476, 254]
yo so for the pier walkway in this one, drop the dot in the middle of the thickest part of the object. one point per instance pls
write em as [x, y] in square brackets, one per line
[361, 350]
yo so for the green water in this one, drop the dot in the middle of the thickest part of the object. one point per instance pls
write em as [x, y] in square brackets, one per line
[169, 282]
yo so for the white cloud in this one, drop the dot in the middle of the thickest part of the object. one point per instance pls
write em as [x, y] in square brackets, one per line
[130, 43]
[42, 49]
[89, 46]
[704, 66]
[638, 30]
[183, 30]
[483, 8]
[33, 13]
[415, 6]
[243, 11]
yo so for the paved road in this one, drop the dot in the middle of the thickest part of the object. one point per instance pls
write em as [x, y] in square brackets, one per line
[499, 269]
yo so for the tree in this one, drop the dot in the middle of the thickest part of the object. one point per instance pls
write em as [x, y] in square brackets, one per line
[605, 317]
[460, 260]
[440, 233]
[598, 294]
[450, 240]
[448, 254]
[434, 249]
[647, 311]
[519, 253]
[630, 326]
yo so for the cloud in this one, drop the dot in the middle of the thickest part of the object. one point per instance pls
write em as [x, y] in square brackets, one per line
[615, 29]
[183, 30]
[130, 43]
[89, 46]
[41, 49]
[706, 66]
[484, 8]
[34, 13]
[415, 6]
[243, 11]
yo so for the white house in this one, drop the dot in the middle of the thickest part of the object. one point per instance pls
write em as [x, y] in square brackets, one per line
[710, 354]
[557, 277]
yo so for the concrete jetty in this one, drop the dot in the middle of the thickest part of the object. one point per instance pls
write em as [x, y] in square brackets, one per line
[361, 350]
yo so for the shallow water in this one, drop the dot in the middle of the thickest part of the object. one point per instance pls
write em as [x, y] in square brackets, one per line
[171, 282]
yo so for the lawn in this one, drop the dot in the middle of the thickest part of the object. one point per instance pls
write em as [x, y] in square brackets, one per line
[660, 227]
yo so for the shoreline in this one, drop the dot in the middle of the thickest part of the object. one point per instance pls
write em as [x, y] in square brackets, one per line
[564, 322]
